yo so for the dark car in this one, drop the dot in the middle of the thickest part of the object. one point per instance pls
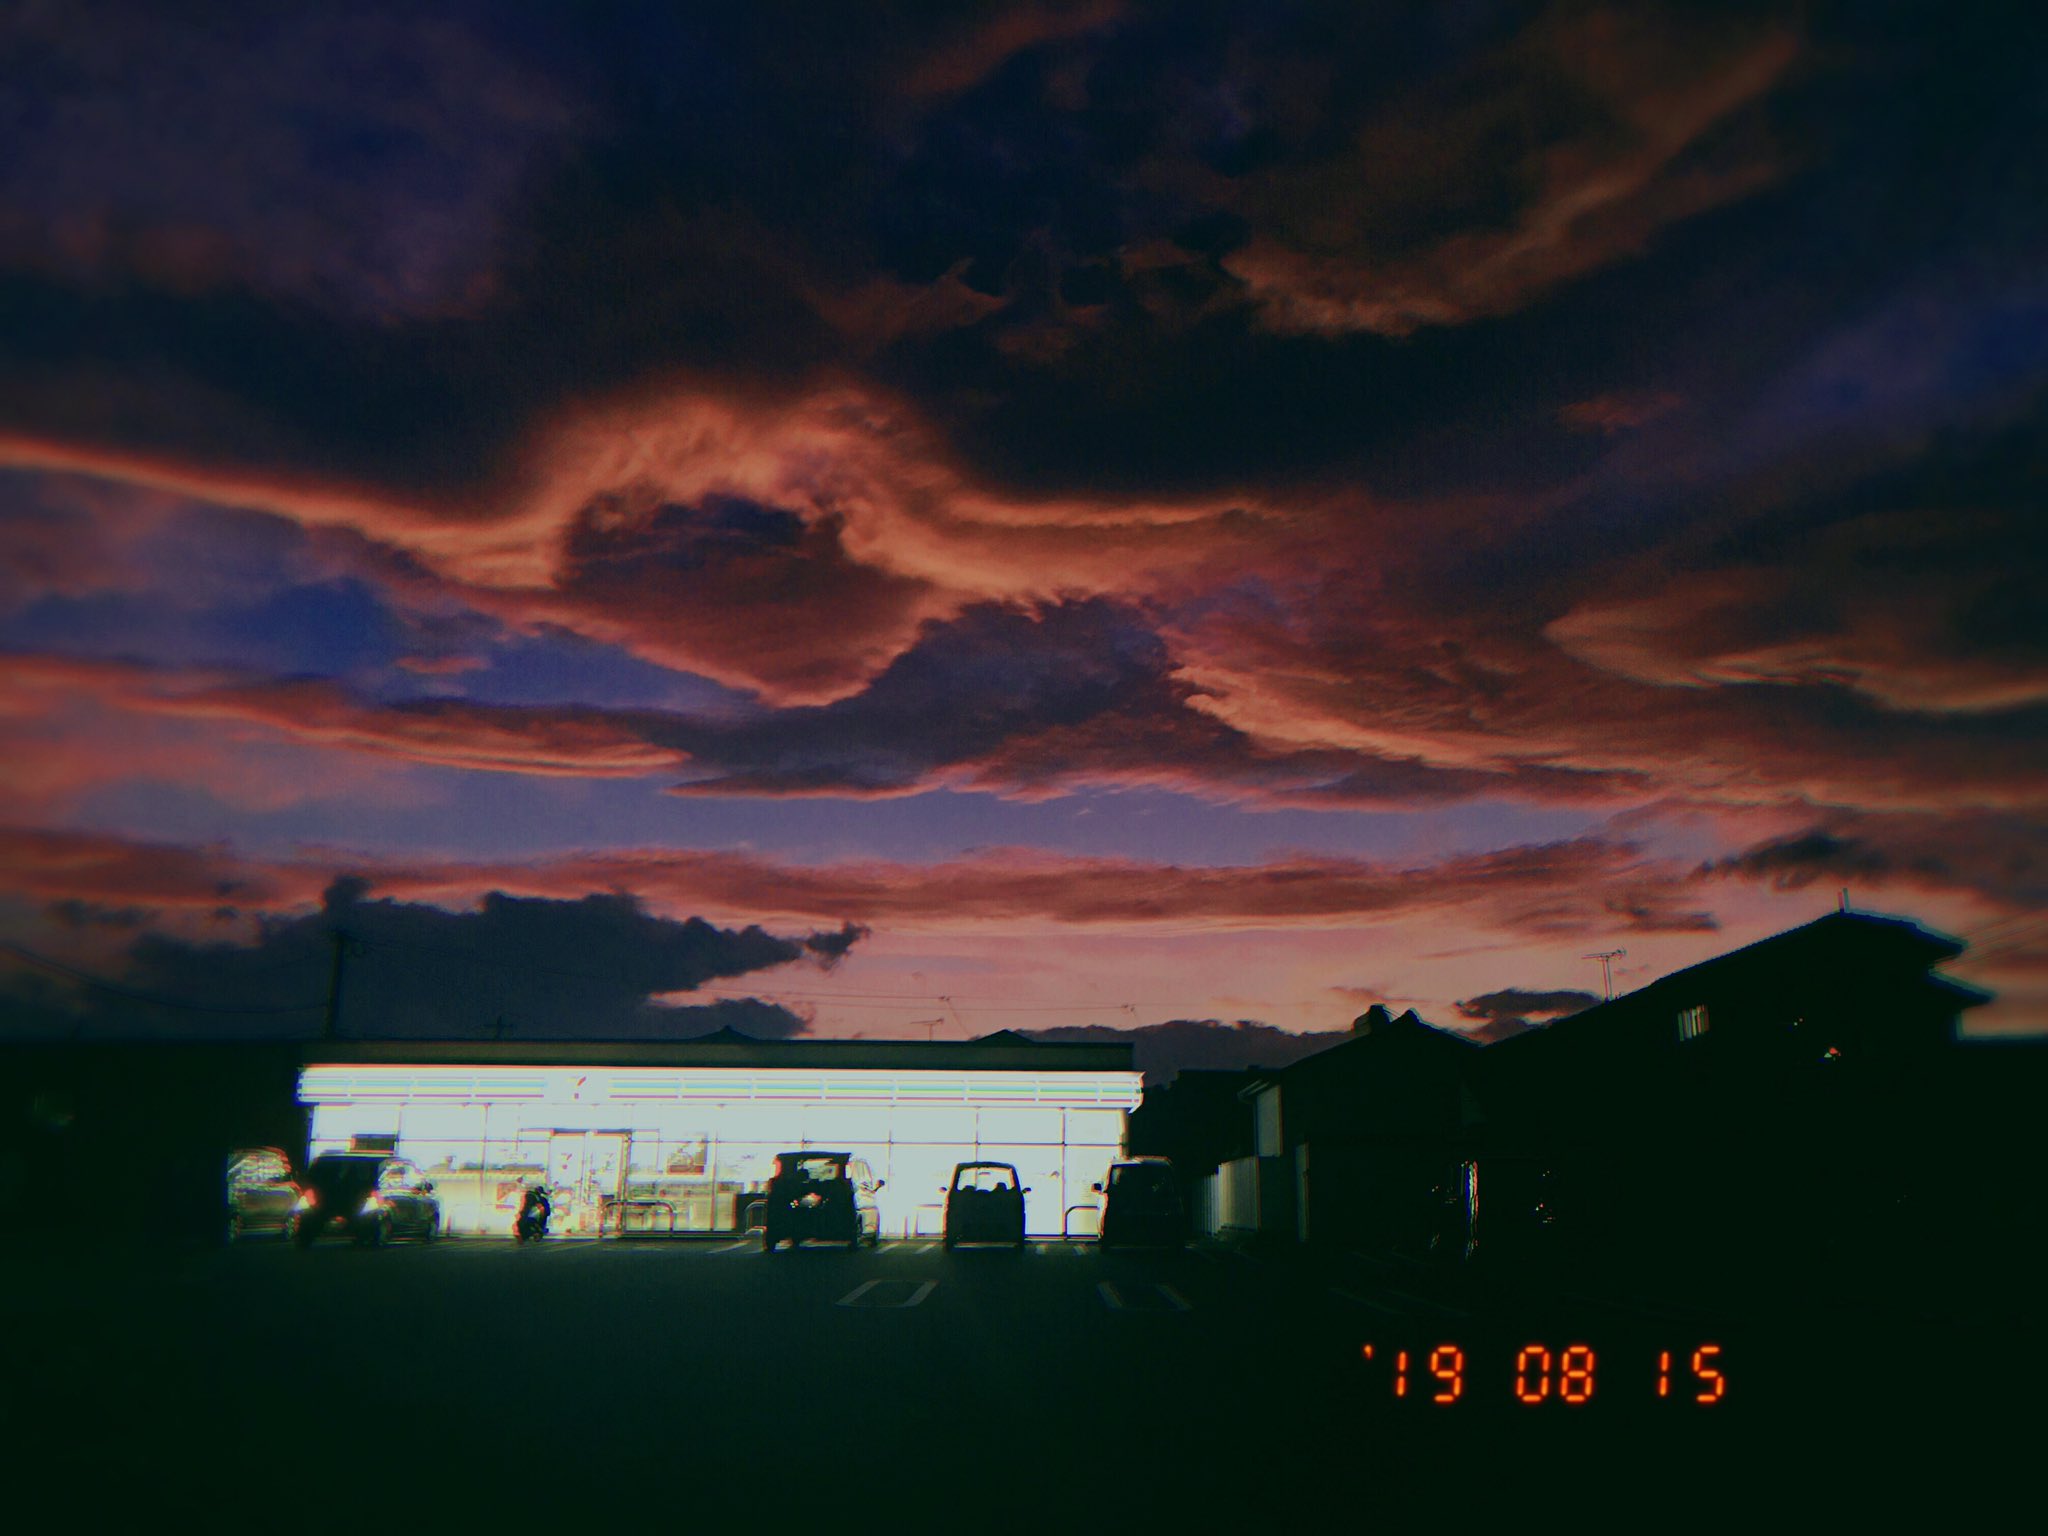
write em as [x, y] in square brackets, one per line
[261, 1197]
[1141, 1204]
[372, 1197]
[985, 1205]
[821, 1194]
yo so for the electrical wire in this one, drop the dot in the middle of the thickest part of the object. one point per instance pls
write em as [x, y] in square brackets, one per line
[728, 990]
[85, 978]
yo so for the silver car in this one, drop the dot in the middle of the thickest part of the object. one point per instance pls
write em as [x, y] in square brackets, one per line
[261, 1193]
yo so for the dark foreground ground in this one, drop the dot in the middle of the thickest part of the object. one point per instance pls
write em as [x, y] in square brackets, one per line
[661, 1385]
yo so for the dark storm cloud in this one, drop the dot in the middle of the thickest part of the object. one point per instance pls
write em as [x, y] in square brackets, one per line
[365, 161]
[1511, 1010]
[1318, 405]
[833, 947]
[2003, 859]
[735, 590]
[966, 692]
[1858, 588]
[598, 966]
[1048, 198]
[1032, 701]
[1162, 1051]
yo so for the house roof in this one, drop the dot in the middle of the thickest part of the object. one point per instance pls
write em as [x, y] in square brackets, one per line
[1408, 1027]
[1836, 936]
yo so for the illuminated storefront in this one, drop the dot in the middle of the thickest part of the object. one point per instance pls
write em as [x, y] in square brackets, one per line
[659, 1137]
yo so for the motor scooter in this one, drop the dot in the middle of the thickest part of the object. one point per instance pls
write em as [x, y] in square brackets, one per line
[532, 1223]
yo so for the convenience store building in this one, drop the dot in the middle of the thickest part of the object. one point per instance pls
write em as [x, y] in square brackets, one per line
[659, 1136]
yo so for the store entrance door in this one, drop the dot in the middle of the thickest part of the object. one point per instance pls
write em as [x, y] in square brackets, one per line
[586, 1170]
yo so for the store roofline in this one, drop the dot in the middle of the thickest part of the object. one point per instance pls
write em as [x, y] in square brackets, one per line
[843, 1055]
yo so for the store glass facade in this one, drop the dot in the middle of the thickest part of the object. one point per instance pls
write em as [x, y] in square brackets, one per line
[685, 1149]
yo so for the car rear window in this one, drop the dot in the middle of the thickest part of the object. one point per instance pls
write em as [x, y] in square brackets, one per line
[985, 1179]
[1142, 1178]
[819, 1168]
[338, 1172]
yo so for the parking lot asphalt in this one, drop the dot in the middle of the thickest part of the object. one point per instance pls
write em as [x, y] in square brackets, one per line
[881, 1388]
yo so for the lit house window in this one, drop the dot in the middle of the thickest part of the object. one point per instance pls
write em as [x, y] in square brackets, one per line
[1692, 1023]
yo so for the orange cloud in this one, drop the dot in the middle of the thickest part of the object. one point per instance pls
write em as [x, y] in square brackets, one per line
[1609, 414]
[1849, 606]
[1559, 889]
[555, 742]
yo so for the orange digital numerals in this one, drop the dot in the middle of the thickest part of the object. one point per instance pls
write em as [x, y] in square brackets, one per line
[1713, 1386]
[1447, 1365]
[1712, 1383]
[1573, 1382]
[1567, 1376]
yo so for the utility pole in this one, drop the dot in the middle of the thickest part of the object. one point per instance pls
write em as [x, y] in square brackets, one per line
[1606, 957]
[340, 942]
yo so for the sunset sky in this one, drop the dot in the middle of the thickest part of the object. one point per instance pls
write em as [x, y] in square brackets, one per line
[927, 519]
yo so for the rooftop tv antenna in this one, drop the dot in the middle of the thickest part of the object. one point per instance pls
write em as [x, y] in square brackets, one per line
[1606, 957]
[927, 1023]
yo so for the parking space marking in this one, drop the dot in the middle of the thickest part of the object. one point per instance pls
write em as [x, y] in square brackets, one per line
[1432, 1306]
[1367, 1301]
[857, 1297]
[745, 1242]
[924, 1247]
[1113, 1299]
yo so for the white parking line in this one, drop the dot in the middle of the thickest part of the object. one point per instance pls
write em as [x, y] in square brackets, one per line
[1114, 1300]
[853, 1297]
[924, 1248]
[1433, 1306]
[1638, 1309]
[1366, 1301]
[745, 1242]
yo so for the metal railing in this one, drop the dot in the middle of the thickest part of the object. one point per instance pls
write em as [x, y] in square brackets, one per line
[621, 1208]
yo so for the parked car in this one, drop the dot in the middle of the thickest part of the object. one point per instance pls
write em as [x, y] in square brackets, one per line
[372, 1197]
[821, 1194]
[985, 1204]
[1141, 1204]
[260, 1193]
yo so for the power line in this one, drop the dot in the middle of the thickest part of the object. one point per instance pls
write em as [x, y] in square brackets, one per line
[738, 990]
[2004, 927]
[87, 979]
